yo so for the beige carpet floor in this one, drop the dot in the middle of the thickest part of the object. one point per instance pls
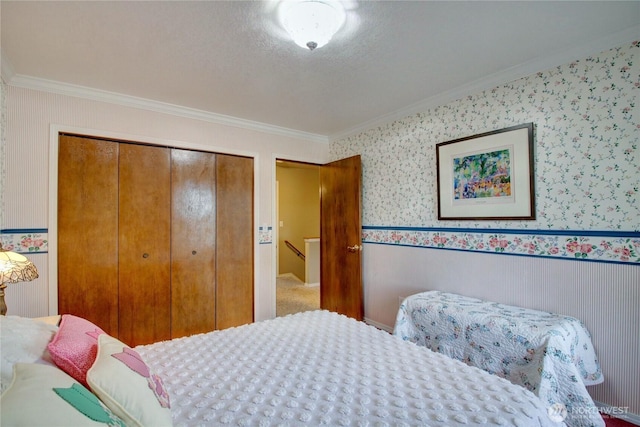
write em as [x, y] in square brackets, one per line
[292, 296]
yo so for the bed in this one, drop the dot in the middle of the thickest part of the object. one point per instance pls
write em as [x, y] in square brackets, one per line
[311, 368]
[550, 354]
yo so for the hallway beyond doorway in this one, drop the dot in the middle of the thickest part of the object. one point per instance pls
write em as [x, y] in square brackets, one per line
[293, 296]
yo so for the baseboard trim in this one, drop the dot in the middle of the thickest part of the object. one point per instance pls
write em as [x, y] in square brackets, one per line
[291, 276]
[378, 325]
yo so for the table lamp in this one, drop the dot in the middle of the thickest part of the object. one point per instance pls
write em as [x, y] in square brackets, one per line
[14, 268]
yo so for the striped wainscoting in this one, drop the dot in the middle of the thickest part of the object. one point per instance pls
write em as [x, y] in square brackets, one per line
[604, 295]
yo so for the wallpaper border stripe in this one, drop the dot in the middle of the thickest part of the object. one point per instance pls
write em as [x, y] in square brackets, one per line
[35, 240]
[265, 235]
[23, 230]
[619, 247]
[25, 240]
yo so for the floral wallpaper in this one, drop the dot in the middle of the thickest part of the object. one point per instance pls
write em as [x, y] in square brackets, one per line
[587, 164]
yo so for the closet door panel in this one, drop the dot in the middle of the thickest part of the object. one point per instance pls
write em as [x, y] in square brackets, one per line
[193, 242]
[234, 295]
[144, 244]
[88, 230]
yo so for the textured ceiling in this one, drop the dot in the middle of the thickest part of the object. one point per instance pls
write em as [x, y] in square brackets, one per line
[231, 58]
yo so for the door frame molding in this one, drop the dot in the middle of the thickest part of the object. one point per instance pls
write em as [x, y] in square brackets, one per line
[274, 206]
[56, 129]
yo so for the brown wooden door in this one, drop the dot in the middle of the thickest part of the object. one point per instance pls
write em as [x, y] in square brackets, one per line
[341, 238]
[234, 242]
[144, 244]
[88, 230]
[193, 242]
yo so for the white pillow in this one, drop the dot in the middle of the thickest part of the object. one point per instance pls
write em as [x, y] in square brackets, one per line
[23, 340]
[42, 395]
[122, 380]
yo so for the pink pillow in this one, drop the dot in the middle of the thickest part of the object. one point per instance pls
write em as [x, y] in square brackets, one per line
[75, 345]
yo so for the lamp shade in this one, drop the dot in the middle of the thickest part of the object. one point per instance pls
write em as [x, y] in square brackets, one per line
[312, 23]
[16, 268]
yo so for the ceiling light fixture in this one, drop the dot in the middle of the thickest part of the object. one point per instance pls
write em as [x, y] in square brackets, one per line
[312, 23]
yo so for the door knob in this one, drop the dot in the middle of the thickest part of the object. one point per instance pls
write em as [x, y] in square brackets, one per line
[354, 248]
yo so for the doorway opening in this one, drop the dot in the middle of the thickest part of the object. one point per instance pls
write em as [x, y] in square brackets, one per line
[297, 237]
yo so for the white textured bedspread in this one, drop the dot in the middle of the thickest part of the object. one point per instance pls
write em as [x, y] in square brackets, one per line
[320, 368]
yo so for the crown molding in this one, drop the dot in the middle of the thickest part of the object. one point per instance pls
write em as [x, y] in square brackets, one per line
[514, 73]
[84, 92]
[519, 71]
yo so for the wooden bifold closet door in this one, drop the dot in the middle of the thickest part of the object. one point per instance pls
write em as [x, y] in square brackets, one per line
[88, 230]
[193, 242]
[144, 244]
[234, 218]
[154, 242]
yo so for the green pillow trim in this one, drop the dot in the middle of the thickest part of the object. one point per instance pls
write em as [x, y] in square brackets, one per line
[88, 404]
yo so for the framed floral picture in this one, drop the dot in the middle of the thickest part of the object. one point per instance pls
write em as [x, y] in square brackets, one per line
[488, 176]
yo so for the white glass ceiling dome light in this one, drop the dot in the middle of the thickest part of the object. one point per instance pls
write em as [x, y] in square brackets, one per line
[312, 23]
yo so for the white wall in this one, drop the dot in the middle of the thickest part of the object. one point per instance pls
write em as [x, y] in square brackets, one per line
[587, 175]
[33, 116]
